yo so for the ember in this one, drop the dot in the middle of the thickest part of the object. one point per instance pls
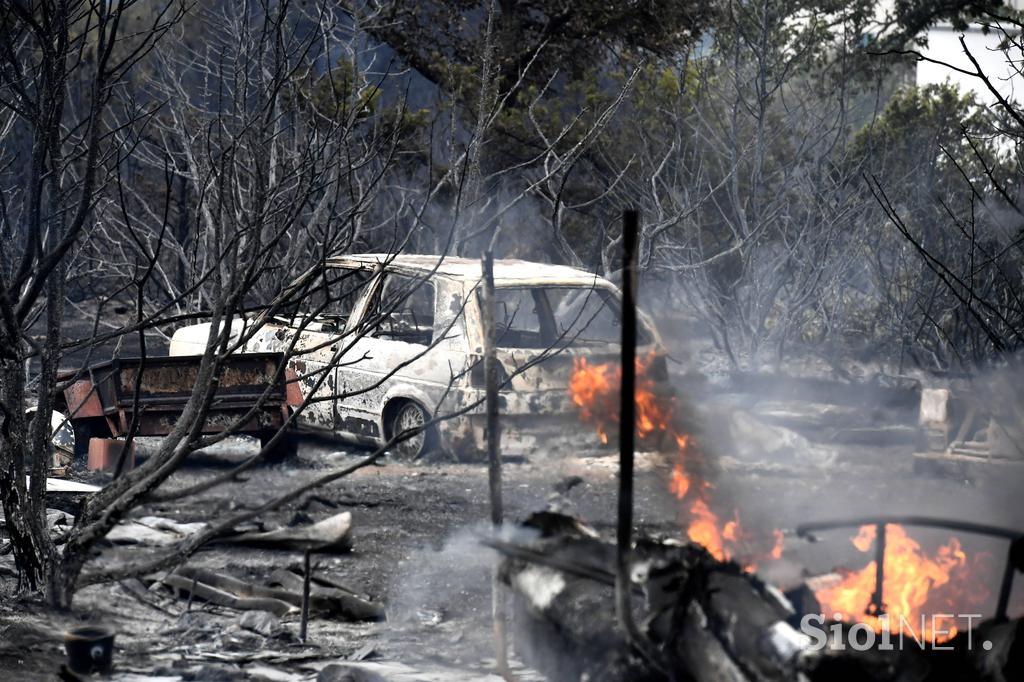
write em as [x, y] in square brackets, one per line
[595, 389]
[915, 586]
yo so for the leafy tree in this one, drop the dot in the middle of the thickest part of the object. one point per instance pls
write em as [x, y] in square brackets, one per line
[443, 39]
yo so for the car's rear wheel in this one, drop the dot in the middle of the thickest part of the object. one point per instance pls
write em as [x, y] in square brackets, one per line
[410, 416]
[286, 447]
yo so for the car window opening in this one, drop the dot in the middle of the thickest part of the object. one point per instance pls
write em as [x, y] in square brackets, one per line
[541, 317]
[329, 298]
[402, 309]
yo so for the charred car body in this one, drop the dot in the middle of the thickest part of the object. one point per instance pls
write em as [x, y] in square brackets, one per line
[380, 344]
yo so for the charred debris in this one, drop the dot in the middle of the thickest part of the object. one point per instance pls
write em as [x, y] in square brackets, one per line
[583, 606]
[587, 608]
[704, 619]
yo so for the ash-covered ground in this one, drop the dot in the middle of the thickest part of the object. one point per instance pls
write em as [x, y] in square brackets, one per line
[415, 549]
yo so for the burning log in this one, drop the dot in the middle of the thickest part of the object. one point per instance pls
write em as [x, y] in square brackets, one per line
[707, 620]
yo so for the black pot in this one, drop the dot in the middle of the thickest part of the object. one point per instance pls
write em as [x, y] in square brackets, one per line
[90, 648]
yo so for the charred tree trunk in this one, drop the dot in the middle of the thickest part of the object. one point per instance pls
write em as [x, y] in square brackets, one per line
[62, 578]
[62, 104]
[22, 525]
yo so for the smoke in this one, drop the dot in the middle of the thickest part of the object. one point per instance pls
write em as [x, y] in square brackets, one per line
[795, 449]
[440, 603]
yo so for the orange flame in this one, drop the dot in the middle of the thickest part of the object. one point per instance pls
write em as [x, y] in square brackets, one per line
[780, 541]
[915, 584]
[704, 530]
[594, 390]
[679, 484]
[920, 592]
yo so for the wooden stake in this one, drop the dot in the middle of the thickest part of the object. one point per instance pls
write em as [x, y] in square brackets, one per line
[493, 428]
[191, 593]
[499, 617]
[491, 395]
[627, 420]
[306, 576]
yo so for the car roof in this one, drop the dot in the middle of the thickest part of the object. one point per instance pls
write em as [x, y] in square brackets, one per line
[508, 272]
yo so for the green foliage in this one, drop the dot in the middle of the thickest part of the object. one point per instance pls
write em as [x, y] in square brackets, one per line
[928, 148]
[914, 16]
[439, 36]
[918, 123]
[934, 156]
[340, 93]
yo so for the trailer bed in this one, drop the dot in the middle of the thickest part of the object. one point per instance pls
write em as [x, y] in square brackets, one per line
[103, 400]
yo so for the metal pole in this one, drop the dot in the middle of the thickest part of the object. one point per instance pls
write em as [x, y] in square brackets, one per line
[925, 521]
[627, 422]
[498, 613]
[1005, 587]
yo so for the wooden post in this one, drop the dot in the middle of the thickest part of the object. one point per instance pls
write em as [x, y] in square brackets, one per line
[627, 424]
[191, 593]
[491, 394]
[493, 434]
[306, 577]
[877, 605]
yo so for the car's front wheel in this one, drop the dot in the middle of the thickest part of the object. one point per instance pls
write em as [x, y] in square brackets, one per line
[410, 416]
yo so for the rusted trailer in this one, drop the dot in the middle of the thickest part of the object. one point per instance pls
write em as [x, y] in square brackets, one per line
[106, 397]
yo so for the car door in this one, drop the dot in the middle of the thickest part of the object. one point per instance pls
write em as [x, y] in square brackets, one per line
[319, 319]
[393, 356]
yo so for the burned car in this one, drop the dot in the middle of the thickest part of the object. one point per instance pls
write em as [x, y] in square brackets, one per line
[380, 344]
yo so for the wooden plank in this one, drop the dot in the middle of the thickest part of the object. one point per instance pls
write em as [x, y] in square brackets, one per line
[60, 485]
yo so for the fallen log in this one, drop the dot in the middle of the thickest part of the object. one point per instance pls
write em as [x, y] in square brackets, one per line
[235, 586]
[322, 602]
[223, 598]
[153, 531]
[330, 534]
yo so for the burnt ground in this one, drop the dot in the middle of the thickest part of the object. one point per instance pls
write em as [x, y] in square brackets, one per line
[414, 550]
